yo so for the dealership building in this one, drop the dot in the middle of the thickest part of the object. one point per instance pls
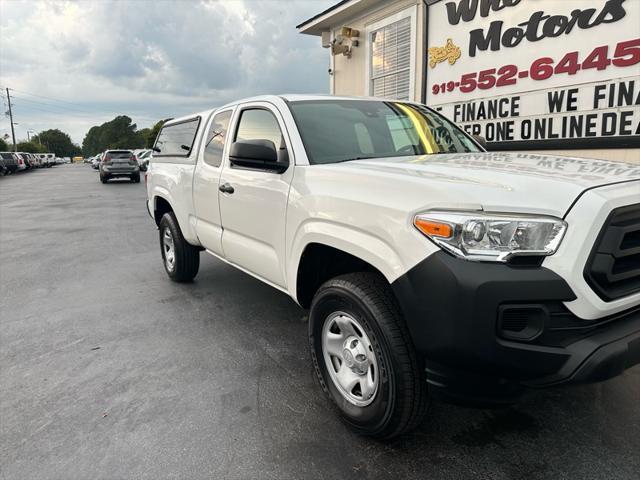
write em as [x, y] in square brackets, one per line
[527, 75]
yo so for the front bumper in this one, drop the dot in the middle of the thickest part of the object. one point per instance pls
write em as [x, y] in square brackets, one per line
[455, 311]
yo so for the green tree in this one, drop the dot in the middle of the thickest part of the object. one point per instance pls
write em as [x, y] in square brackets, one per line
[91, 143]
[153, 133]
[32, 147]
[4, 146]
[58, 142]
[117, 133]
[144, 133]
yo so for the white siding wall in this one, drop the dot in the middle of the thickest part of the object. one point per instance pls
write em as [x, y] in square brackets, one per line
[350, 74]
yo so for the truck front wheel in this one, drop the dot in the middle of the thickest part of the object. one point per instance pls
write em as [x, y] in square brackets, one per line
[364, 358]
[181, 260]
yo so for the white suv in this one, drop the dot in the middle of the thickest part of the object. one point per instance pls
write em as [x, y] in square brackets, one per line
[428, 264]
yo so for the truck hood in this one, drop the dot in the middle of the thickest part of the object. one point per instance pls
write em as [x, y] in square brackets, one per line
[512, 182]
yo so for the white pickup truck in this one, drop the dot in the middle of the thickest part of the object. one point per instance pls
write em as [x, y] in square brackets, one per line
[430, 267]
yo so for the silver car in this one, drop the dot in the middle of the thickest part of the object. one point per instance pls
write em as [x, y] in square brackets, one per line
[119, 163]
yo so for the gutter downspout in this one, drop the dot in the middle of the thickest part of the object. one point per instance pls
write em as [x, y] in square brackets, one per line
[332, 67]
[425, 40]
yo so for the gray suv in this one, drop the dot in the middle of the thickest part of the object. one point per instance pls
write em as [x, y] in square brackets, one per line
[119, 163]
[10, 161]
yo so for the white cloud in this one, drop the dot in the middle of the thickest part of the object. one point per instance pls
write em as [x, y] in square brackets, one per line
[150, 59]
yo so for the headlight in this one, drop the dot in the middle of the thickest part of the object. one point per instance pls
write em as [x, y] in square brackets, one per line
[491, 237]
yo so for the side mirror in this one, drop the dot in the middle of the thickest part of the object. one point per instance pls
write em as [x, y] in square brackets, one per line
[481, 140]
[256, 154]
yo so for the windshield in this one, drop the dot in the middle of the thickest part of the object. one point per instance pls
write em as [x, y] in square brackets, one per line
[341, 130]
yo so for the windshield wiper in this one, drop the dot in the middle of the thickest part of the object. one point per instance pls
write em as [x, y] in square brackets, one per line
[351, 159]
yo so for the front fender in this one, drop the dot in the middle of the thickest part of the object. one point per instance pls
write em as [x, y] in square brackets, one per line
[346, 238]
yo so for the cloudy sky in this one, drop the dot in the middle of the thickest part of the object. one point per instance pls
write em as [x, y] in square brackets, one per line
[75, 64]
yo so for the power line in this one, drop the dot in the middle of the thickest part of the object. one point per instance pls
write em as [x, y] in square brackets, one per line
[58, 112]
[61, 110]
[47, 107]
[51, 108]
[55, 106]
[84, 107]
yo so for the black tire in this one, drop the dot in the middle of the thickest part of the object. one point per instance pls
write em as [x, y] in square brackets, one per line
[186, 256]
[135, 178]
[400, 402]
[103, 179]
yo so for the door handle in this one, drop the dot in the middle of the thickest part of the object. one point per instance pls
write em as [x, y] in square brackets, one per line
[226, 188]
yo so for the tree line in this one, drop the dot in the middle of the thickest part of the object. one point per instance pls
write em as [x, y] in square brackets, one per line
[52, 140]
[117, 133]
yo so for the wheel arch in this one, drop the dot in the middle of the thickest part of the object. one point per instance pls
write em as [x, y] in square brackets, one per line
[323, 256]
[161, 206]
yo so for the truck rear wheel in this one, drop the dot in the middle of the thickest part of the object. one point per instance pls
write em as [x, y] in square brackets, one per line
[364, 358]
[181, 260]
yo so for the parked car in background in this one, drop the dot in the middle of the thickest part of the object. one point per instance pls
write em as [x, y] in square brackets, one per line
[10, 161]
[43, 159]
[51, 159]
[119, 163]
[37, 160]
[143, 157]
[23, 162]
[22, 165]
[95, 161]
[30, 160]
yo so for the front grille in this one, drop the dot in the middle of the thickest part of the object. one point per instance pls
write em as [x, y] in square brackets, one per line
[613, 268]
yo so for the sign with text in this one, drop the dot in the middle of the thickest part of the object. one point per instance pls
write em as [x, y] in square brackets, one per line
[560, 73]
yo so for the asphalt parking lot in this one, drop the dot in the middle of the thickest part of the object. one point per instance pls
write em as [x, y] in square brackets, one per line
[109, 370]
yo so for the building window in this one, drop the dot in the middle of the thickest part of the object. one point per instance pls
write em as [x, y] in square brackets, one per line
[390, 60]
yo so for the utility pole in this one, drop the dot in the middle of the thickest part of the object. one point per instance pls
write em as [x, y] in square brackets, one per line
[13, 133]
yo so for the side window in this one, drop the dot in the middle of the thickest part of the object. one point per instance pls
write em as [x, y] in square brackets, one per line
[259, 124]
[215, 138]
[177, 139]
